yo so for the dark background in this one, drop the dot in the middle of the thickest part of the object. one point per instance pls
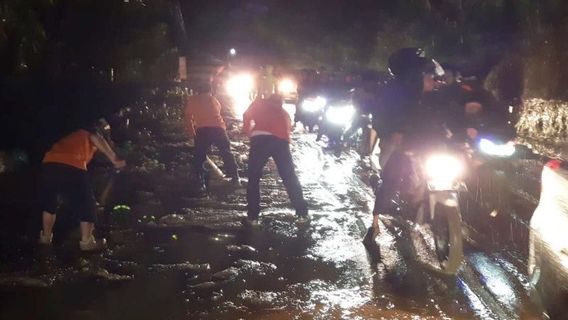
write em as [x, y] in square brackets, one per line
[56, 56]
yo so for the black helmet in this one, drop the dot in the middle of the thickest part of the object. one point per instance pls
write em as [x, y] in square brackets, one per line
[411, 62]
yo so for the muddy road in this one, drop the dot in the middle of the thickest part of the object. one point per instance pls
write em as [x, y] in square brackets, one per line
[175, 254]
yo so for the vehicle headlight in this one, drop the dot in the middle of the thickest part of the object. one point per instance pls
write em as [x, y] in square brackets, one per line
[442, 171]
[239, 88]
[314, 104]
[499, 150]
[240, 85]
[340, 115]
[287, 86]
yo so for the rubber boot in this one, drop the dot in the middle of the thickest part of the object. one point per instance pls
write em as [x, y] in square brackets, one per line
[371, 235]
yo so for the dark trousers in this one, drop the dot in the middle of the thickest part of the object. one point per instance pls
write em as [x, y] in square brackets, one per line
[204, 139]
[394, 175]
[61, 181]
[261, 148]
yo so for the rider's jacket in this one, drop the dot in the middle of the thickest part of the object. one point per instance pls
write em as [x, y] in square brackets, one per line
[396, 109]
[364, 100]
[401, 108]
[460, 106]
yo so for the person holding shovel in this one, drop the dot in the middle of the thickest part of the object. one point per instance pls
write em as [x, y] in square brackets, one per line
[269, 127]
[204, 123]
[64, 173]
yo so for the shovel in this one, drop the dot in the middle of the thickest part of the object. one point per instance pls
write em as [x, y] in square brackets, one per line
[105, 193]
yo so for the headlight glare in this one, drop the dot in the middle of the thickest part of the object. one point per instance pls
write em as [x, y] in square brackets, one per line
[240, 85]
[499, 150]
[443, 170]
[314, 104]
[340, 115]
[287, 86]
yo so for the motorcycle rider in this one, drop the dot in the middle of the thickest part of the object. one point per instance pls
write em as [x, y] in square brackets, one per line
[365, 99]
[468, 108]
[399, 120]
[365, 96]
[306, 87]
[481, 111]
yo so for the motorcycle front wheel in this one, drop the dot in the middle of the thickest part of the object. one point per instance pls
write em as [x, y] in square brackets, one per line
[448, 238]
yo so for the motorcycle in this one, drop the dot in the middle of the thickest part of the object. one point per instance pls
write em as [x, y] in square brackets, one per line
[445, 180]
[316, 99]
[425, 189]
[358, 137]
[432, 193]
[309, 111]
[335, 122]
[488, 199]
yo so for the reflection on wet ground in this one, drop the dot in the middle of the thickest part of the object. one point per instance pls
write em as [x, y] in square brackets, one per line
[182, 256]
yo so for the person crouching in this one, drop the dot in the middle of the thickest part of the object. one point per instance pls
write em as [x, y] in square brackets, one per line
[64, 173]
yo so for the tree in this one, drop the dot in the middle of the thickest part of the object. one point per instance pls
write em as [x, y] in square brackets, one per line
[22, 34]
[68, 38]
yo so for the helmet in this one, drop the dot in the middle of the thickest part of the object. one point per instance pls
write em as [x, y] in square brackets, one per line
[412, 62]
[103, 124]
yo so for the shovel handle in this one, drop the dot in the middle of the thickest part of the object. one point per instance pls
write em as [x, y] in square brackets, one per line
[108, 188]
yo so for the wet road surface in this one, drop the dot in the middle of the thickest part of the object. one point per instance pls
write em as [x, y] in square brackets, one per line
[181, 256]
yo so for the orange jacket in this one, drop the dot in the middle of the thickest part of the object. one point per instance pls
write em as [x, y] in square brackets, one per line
[75, 150]
[269, 116]
[203, 110]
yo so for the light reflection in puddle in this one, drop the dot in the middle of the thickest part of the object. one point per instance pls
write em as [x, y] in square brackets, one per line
[495, 280]
[222, 237]
[475, 303]
[512, 269]
[339, 247]
[332, 297]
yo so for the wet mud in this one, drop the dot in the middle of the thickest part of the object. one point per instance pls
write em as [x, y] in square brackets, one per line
[178, 253]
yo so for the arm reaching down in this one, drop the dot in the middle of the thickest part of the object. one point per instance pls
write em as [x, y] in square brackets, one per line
[190, 128]
[188, 119]
[247, 119]
[106, 149]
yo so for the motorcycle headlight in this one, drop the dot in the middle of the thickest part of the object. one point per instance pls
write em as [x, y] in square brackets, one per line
[287, 86]
[442, 171]
[314, 104]
[498, 150]
[340, 115]
[240, 85]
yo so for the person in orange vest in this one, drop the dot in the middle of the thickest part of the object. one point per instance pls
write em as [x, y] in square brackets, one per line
[270, 137]
[64, 173]
[204, 123]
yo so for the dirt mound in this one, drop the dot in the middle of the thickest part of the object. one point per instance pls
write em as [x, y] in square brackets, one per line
[543, 125]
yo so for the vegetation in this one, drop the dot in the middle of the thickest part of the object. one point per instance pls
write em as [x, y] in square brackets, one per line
[87, 38]
[141, 39]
